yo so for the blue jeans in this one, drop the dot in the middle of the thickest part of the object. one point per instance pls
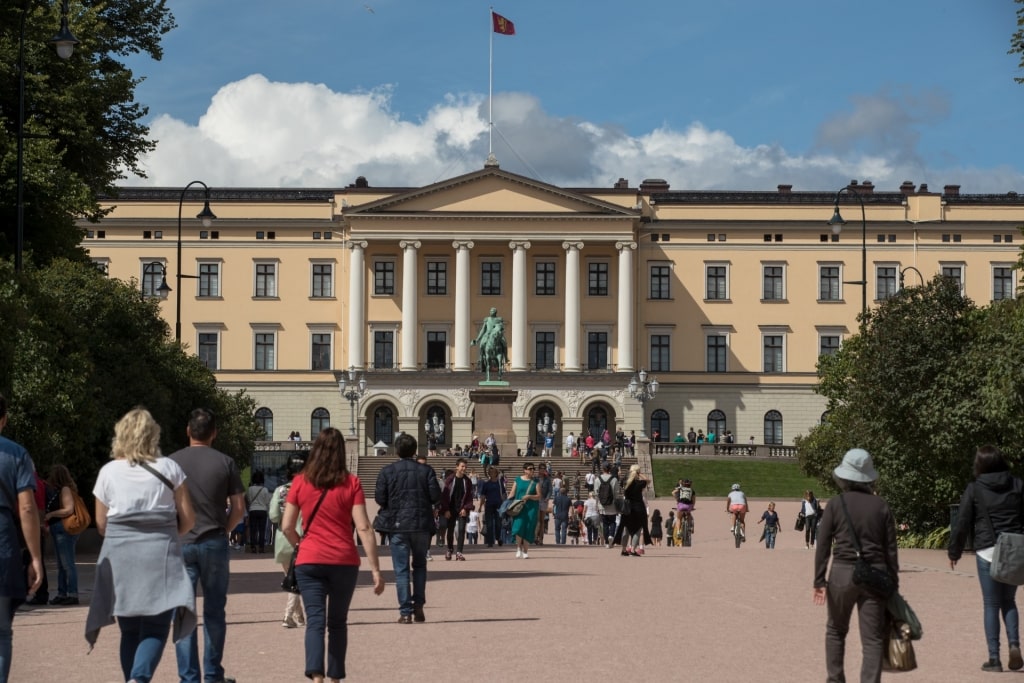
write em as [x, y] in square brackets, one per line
[608, 522]
[326, 594]
[492, 524]
[997, 597]
[406, 547]
[7, 607]
[142, 644]
[769, 539]
[67, 572]
[207, 564]
[561, 527]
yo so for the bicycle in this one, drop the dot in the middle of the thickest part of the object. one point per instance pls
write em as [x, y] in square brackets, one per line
[687, 529]
[737, 529]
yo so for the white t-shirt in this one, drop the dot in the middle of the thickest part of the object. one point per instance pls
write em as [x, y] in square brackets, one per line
[590, 508]
[473, 525]
[808, 508]
[737, 498]
[125, 488]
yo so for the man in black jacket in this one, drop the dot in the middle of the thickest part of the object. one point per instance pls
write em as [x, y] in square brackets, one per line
[407, 492]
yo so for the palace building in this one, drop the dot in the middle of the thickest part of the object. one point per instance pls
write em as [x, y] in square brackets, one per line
[726, 298]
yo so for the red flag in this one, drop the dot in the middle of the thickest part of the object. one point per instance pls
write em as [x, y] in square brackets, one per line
[503, 25]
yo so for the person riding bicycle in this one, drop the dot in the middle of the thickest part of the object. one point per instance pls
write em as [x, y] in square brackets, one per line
[736, 505]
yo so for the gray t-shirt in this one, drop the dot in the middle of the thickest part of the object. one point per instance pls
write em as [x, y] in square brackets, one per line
[212, 478]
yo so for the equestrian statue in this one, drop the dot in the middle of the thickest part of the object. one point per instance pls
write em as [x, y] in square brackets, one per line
[491, 340]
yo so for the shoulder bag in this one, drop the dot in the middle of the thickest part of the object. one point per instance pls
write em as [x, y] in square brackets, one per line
[516, 506]
[874, 580]
[79, 519]
[1008, 554]
[290, 582]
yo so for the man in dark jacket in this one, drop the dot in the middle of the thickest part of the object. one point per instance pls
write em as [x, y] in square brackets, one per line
[407, 492]
[456, 504]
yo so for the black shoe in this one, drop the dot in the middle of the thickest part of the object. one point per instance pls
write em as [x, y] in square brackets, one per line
[1016, 662]
[60, 600]
[417, 614]
[405, 619]
[992, 665]
[38, 600]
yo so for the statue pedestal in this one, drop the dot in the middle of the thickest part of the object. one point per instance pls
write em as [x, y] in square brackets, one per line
[493, 415]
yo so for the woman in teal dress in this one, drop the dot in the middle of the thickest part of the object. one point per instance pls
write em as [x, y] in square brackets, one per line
[525, 524]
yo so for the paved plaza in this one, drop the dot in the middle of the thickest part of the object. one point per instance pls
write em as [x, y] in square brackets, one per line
[572, 613]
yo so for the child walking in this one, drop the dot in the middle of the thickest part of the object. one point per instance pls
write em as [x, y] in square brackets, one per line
[770, 519]
[656, 523]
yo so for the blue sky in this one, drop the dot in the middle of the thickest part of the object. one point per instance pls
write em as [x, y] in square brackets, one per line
[726, 94]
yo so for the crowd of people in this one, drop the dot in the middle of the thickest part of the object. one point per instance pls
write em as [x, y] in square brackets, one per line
[165, 525]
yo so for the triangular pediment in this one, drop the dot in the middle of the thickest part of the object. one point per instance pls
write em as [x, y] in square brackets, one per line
[489, 191]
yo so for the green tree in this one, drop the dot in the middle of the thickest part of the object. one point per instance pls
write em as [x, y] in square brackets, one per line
[81, 350]
[902, 391]
[1017, 40]
[82, 125]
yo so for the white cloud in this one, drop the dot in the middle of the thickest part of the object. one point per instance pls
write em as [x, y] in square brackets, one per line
[259, 133]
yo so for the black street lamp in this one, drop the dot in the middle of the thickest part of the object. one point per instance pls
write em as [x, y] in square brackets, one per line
[352, 389]
[65, 43]
[837, 223]
[207, 217]
[156, 268]
[643, 388]
[904, 270]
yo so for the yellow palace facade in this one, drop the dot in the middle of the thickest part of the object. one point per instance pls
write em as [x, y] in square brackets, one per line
[726, 298]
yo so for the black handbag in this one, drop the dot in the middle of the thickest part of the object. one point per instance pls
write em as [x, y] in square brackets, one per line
[623, 505]
[290, 582]
[801, 520]
[873, 579]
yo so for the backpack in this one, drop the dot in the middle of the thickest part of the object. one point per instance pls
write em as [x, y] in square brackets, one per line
[685, 495]
[605, 492]
[78, 521]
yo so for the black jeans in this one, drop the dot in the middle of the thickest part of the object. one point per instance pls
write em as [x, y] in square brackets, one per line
[810, 529]
[257, 530]
[456, 531]
[841, 597]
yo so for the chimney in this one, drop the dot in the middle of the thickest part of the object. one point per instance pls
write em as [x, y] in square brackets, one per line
[951, 190]
[907, 188]
[362, 182]
[923, 189]
[867, 187]
[622, 184]
[785, 189]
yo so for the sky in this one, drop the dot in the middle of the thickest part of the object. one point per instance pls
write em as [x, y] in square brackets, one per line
[719, 94]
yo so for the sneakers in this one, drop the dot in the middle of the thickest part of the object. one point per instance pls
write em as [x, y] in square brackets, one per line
[405, 619]
[417, 614]
[447, 554]
[65, 600]
[640, 551]
[288, 622]
[1016, 662]
[519, 553]
[992, 665]
[526, 556]
[430, 558]
[460, 557]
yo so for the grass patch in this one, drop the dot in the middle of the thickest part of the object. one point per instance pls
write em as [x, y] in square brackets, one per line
[760, 478]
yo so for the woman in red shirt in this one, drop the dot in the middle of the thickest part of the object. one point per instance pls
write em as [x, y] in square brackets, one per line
[327, 564]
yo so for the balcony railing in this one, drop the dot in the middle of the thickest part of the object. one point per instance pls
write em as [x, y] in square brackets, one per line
[707, 450]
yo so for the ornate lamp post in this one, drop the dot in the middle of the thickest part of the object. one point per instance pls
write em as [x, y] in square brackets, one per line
[352, 390]
[65, 43]
[837, 223]
[156, 268]
[207, 217]
[643, 388]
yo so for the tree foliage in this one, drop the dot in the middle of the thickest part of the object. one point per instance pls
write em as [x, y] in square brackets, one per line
[82, 125]
[80, 350]
[910, 389]
[1017, 40]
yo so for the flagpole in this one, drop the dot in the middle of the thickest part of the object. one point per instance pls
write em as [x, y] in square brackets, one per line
[490, 82]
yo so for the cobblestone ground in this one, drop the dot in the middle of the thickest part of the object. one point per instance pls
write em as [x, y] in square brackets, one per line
[710, 612]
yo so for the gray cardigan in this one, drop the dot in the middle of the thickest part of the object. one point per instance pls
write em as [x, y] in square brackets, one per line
[141, 572]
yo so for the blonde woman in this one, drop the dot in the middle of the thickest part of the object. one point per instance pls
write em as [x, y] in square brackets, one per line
[60, 504]
[141, 509]
[633, 522]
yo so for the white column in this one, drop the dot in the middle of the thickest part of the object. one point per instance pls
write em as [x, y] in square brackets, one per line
[357, 305]
[519, 293]
[626, 321]
[572, 306]
[410, 320]
[463, 287]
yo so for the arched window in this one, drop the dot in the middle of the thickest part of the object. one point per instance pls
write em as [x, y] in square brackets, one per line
[659, 425]
[265, 419]
[384, 425]
[320, 420]
[824, 417]
[597, 422]
[716, 424]
[772, 428]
